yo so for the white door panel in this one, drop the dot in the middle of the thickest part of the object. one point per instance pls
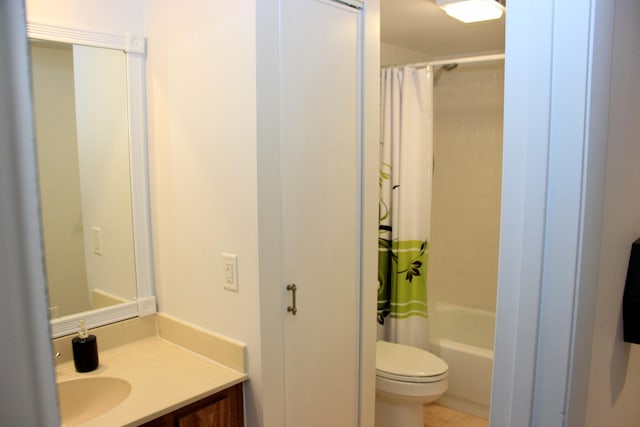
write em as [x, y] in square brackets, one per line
[321, 199]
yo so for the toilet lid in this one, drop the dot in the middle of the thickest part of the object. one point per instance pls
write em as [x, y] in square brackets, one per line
[397, 360]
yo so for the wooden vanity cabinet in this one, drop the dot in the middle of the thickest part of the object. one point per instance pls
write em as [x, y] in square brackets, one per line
[223, 409]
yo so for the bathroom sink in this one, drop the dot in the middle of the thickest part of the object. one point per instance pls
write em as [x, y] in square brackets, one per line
[82, 399]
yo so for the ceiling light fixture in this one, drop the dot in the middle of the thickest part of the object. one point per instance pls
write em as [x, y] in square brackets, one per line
[472, 10]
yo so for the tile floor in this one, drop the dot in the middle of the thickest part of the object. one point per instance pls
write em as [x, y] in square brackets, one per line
[440, 416]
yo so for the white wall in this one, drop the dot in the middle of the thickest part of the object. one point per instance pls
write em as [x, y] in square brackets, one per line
[615, 365]
[397, 55]
[108, 16]
[201, 69]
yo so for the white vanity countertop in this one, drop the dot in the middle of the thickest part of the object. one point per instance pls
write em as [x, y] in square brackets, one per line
[163, 377]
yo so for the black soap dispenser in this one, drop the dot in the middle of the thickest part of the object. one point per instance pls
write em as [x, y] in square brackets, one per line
[631, 297]
[85, 350]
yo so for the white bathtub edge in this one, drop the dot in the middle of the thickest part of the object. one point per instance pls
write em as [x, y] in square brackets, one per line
[465, 348]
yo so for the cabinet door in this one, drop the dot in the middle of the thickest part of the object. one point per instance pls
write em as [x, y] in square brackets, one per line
[214, 414]
[321, 151]
[223, 409]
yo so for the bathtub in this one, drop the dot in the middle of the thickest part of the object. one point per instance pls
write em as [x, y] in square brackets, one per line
[464, 337]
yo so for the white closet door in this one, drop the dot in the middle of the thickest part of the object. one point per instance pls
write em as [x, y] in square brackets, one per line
[321, 154]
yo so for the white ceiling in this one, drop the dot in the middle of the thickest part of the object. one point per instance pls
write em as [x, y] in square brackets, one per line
[422, 26]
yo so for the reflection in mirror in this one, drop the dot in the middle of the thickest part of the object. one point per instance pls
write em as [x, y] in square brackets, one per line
[82, 141]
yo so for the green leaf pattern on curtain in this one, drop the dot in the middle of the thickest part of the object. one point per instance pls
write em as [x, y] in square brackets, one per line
[402, 268]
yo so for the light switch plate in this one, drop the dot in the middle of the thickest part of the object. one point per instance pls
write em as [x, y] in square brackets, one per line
[230, 272]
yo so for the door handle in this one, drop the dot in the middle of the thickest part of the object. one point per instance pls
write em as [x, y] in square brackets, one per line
[292, 308]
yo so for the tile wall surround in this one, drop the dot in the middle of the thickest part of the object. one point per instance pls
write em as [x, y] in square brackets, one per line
[463, 263]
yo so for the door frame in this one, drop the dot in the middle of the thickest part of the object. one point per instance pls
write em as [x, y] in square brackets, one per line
[558, 61]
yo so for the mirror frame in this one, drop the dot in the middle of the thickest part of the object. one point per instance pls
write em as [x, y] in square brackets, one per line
[134, 49]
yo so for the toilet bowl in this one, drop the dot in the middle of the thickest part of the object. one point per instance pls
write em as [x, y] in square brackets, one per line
[406, 379]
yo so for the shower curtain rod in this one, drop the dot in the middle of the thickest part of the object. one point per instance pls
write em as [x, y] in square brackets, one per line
[463, 60]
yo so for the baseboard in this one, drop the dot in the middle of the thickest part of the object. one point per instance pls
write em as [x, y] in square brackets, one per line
[464, 405]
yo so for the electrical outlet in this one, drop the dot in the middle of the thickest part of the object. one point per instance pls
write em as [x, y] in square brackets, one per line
[230, 272]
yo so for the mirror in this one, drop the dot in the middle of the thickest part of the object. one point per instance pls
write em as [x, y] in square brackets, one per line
[82, 148]
[88, 92]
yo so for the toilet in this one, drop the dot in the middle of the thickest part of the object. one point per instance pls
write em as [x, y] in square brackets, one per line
[406, 378]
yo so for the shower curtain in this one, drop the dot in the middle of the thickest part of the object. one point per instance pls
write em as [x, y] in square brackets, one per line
[406, 171]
